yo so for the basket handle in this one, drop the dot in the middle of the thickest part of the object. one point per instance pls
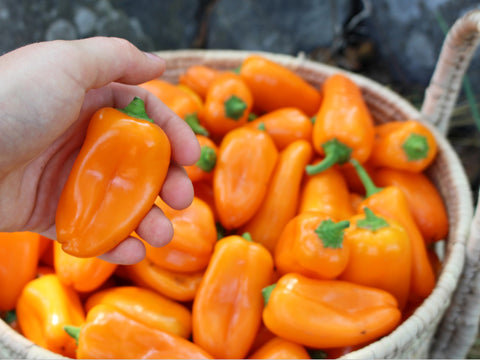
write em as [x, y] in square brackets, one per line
[457, 50]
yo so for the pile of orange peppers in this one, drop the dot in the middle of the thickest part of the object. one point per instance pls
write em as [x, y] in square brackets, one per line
[310, 235]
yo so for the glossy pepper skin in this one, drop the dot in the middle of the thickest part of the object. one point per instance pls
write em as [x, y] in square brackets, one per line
[343, 127]
[227, 309]
[82, 274]
[405, 145]
[328, 313]
[194, 236]
[312, 244]
[227, 104]
[377, 243]
[275, 211]
[146, 306]
[390, 202]
[203, 168]
[275, 86]
[424, 201]
[326, 192]
[245, 163]
[114, 181]
[44, 308]
[285, 126]
[278, 348]
[199, 78]
[109, 333]
[172, 284]
[18, 265]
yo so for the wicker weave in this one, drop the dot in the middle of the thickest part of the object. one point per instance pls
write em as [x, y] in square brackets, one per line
[445, 325]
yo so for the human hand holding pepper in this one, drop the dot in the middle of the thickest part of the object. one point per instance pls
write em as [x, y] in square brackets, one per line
[48, 93]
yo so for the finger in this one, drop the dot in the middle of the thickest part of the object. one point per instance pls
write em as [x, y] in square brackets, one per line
[155, 228]
[177, 190]
[130, 251]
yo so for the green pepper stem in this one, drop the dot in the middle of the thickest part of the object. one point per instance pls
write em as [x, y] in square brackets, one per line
[234, 107]
[370, 187]
[415, 147]
[208, 159]
[266, 292]
[371, 221]
[331, 233]
[73, 331]
[261, 126]
[247, 236]
[136, 109]
[335, 153]
[194, 123]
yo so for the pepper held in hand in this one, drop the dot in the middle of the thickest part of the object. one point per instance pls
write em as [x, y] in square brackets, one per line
[114, 181]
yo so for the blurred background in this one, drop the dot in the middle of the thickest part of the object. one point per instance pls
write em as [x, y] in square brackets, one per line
[394, 42]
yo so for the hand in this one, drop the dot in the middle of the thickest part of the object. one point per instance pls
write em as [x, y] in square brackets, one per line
[48, 92]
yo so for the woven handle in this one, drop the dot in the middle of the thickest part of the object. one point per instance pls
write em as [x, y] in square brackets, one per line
[459, 327]
[457, 51]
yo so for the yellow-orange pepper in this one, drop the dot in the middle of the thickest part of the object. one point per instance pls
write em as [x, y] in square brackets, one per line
[194, 236]
[114, 181]
[227, 104]
[82, 274]
[343, 127]
[285, 126]
[325, 314]
[379, 243]
[199, 78]
[312, 244]
[44, 308]
[424, 200]
[203, 168]
[391, 203]
[326, 192]
[245, 163]
[109, 333]
[406, 145]
[278, 348]
[275, 86]
[18, 265]
[175, 285]
[275, 211]
[146, 306]
[227, 309]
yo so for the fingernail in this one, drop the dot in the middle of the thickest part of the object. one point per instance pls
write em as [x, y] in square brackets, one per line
[154, 57]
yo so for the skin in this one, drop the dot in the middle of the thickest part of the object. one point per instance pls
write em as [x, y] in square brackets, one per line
[48, 93]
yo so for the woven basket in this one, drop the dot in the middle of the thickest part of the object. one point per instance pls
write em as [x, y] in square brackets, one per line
[446, 324]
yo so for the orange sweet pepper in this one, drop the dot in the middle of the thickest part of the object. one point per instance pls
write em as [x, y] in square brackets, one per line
[172, 284]
[245, 163]
[194, 236]
[109, 333]
[227, 309]
[18, 265]
[275, 211]
[343, 127]
[390, 202]
[275, 86]
[114, 181]
[146, 306]
[203, 168]
[44, 308]
[227, 104]
[328, 193]
[379, 243]
[278, 348]
[325, 314]
[312, 244]
[285, 126]
[199, 78]
[406, 145]
[82, 274]
[424, 200]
